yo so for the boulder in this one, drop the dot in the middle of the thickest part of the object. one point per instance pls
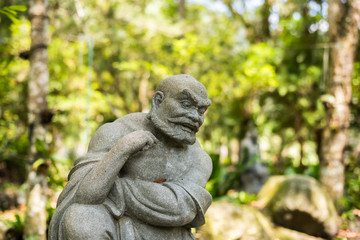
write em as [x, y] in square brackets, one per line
[233, 221]
[288, 234]
[299, 203]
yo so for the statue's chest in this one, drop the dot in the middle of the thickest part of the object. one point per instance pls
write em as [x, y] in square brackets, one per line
[158, 163]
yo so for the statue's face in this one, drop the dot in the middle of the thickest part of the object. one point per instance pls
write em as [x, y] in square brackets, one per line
[180, 114]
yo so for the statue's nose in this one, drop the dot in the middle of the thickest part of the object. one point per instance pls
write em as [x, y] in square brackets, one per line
[196, 118]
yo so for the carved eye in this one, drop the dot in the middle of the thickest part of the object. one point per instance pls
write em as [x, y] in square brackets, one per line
[186, 104]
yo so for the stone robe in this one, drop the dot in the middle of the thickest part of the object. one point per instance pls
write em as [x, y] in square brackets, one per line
[137, 207]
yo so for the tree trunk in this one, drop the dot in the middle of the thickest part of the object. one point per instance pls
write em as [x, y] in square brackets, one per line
[182, 11]
[265, 24]
[35, 220]
[343, 34]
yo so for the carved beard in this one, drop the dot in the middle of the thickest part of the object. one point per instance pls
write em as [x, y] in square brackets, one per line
[172, 131]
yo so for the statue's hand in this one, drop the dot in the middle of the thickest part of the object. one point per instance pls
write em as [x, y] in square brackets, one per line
[136, 141]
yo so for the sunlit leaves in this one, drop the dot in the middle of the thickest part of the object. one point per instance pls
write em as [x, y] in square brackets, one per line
[12, 11]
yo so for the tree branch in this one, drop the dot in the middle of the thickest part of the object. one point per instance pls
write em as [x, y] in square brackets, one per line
[235, 13]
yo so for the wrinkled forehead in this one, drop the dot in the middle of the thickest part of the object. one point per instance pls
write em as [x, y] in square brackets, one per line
[190, 90]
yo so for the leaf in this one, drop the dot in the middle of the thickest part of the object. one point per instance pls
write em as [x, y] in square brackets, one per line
[38, 162]
[9, 10]
[40, 147]
[10, 15]
[14, 19]
[20, 8]
[160, 180]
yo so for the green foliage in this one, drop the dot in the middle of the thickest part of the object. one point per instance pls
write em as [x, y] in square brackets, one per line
[226, 176]
[352, 183]
[274, 82]
[18, 224]
[13, 131]
[58, 165]
[15, 227]
[12, 11]
[355, 103]
[245, 198]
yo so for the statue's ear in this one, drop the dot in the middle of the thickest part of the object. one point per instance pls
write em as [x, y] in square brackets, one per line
[157, 99]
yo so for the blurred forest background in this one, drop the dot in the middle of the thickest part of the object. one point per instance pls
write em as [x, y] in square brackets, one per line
[283, 76]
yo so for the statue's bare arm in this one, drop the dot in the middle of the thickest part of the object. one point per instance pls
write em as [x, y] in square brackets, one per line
[171, 204]
[95, 186]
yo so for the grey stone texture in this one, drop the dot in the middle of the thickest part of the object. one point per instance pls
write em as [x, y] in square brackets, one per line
[144, 175]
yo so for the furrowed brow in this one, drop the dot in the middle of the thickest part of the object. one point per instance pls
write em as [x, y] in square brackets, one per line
[187, 94]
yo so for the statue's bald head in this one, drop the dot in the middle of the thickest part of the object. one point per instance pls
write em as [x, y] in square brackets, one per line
[177, 83]
[178, 108]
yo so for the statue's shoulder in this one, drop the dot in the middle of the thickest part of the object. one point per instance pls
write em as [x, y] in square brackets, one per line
[131, 121]
[125, 124]
[108, 134]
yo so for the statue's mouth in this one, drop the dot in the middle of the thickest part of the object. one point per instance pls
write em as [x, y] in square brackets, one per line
[186, 125]
[189, 128]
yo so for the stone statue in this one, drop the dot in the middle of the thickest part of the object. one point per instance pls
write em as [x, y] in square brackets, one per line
[144, 174]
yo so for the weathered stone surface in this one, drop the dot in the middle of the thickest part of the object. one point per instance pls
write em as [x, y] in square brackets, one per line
[233, 221]
[288, 234]
[144, 175]
[300, 203]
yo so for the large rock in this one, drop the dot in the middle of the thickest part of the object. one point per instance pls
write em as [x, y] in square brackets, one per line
[288, 234]
[300, 203]
[233, 221]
